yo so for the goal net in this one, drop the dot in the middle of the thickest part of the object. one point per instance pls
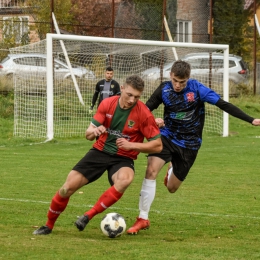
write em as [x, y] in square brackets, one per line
[47, 101]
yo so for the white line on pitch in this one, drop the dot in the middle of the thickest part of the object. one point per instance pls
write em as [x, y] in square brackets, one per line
[131, 209]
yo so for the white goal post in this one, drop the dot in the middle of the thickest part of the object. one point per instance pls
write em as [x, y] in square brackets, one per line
[55, 110]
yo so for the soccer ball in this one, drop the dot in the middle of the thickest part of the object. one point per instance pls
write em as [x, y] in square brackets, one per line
[113, 225]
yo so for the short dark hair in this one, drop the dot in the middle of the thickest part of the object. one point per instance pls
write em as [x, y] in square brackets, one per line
[181, 69]
[109, 69]
[135, 82]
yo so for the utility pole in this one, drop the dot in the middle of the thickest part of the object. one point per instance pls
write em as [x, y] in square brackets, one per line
[210, 40]
[113, 19]
[163, 14]
[51, 11]
[210, 20]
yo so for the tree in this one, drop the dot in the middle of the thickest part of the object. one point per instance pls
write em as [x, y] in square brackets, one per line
[248, 40]
[41, 11]
[229, 22]
[151, 12]
[234, 25]
[171, 11]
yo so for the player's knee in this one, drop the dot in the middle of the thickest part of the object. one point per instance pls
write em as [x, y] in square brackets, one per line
[126, 181]
[150, 173]
[172, 189]
[64, 192]
[122, 181]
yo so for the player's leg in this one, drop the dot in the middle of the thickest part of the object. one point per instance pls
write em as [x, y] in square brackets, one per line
[179, 168]
[168, 173]
[147, 194]
[121, 174]
[74, 181]
[171, 181]
[82, 173]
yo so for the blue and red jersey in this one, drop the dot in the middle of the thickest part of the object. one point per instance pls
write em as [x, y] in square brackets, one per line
[184, 112]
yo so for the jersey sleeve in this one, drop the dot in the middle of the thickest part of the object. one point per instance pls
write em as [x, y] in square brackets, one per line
[95, 96]
[149, 128]
[117, 88]
[100, 116]
[234, 111]
[207, 94]
[156, 99]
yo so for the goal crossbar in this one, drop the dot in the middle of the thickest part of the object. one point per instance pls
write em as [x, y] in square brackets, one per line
[51, 37]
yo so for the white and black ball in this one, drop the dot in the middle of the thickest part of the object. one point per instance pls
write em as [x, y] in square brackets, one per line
[113, 225]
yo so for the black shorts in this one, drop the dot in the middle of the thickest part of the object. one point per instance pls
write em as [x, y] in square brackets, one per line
[95, 163]
[181, 158]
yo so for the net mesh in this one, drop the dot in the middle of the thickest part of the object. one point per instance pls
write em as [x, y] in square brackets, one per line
[89, 60]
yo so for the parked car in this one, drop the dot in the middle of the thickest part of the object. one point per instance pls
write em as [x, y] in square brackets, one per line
[200, 67]
[201, 63]
[154, 73]
[36, 63]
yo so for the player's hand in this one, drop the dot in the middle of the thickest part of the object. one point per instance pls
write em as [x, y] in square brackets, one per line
[256, 122]
[97, 131]
[122, 143]
[159, 122]
[90, 111]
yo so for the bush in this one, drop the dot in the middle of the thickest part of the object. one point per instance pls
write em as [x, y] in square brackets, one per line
[7, 105]
[244, 89]
[6, 85]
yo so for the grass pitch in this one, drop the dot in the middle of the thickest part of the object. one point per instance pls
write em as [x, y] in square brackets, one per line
[214, 214]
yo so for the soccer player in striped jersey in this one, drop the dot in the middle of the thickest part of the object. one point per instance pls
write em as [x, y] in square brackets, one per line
[181, 129]
[122, 123]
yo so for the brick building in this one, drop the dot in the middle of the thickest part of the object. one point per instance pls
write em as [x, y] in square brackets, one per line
[111, 18]
[15, 19]
[192, 21]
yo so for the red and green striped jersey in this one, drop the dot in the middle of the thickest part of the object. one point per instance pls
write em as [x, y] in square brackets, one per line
[134, 124]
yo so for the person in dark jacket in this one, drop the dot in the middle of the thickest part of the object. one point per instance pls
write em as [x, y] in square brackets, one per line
[105, 88]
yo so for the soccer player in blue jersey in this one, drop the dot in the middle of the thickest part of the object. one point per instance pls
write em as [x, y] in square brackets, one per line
[181, 132]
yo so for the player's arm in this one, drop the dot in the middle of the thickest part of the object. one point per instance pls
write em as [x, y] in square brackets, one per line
[155, 99]
[96, 127]
[153, 146]
[236, 112]
[95, 96]
[117, 88]
[150, 131]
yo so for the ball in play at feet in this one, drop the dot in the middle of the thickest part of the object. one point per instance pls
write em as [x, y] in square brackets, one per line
[113, 225]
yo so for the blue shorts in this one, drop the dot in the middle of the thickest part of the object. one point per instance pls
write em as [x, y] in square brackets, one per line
[96, 162]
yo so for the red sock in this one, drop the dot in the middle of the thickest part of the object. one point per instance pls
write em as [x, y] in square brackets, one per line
[107, 199]
[58, 205]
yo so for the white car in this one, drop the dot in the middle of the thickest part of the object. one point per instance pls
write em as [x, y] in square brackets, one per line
[154, 73]
[30, 63]
[200, 65]
[201, 62]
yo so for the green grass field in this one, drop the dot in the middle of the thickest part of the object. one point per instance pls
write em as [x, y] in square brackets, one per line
[214, 214]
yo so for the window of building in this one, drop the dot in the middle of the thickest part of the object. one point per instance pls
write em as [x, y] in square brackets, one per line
[4, 3]
[184, 31]
[16, 27]
[11, 3]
